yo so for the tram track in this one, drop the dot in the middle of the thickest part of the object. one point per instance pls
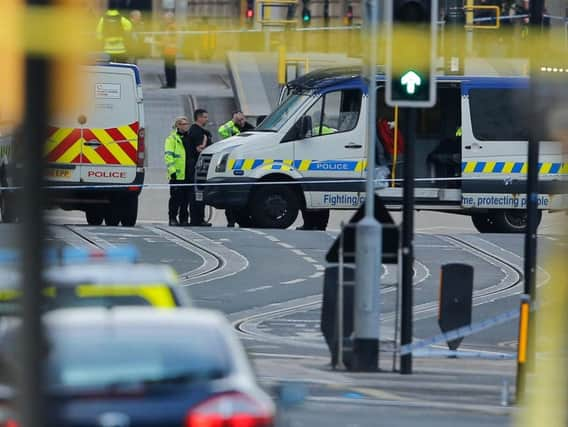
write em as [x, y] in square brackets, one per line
[509, 285]
[80, 239]
[218, 263]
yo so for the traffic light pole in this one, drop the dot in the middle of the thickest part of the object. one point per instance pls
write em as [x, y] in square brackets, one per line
[407, 240]
[368, 232]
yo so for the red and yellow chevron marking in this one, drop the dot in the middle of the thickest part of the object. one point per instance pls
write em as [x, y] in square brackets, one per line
[119, 145]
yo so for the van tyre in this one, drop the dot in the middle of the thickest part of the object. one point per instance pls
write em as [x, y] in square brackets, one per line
[95, 215]
[112, 213]
[513, 221]
[129, 210]
[274, 206]
[484, 223]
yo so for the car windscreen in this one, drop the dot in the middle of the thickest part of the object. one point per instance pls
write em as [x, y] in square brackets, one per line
[282, 114]
[102, 358]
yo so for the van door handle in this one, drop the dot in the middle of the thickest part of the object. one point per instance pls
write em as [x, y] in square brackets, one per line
[93, 143]
[476, 146]
[351, 145]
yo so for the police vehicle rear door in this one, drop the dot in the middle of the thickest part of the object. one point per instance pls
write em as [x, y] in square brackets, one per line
[332, 149]
[110, 146]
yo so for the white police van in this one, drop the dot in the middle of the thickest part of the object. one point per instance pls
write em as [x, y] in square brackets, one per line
[94, 156]
[470, 154]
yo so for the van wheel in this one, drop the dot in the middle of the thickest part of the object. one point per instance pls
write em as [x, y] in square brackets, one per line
[513, 221]
[94, 215]
[484, 223]
[274, 207]
[112, 213]
[129, 210]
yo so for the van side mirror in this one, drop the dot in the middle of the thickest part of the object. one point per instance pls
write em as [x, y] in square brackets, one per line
[306, 127]
[301, 129]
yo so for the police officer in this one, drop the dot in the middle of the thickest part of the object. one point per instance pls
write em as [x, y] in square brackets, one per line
[198, 138]
[168, 43]
[233, 127]
[114, 30]
[176, 155]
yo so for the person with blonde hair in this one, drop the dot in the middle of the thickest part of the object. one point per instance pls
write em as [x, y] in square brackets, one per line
[176, 156]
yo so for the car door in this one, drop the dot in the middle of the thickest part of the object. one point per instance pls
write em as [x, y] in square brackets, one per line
[331, 151]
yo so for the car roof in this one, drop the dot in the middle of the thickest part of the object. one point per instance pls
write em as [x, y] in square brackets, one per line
[139, 316]
[327, 77]
[98, 273]
[123, 66]
[122, 273]
[142, 318]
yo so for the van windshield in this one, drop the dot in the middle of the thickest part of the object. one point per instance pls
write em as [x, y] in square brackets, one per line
[279, 117]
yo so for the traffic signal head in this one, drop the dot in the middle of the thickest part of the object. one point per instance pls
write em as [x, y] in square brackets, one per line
[306, 15]
[411, 52]
[250, 13]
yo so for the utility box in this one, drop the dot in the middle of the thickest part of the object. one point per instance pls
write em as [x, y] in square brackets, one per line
[329, 312]
[456, 299]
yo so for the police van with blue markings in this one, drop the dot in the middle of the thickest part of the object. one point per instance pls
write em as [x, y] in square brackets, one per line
[470, 153]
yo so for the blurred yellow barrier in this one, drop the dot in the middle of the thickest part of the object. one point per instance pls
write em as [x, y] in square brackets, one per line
[495, 26]
[546, 392]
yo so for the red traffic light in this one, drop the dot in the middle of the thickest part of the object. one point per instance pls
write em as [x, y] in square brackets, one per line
[250, 13]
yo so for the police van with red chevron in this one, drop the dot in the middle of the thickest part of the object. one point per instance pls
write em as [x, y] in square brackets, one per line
[470, 153]
[95, 157]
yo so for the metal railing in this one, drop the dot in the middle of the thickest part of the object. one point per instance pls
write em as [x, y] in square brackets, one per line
[497, 19]
[266, 5]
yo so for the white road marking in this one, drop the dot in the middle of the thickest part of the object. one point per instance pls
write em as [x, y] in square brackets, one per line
[315, 275]
[272, 238]
[260, 233]
[260, 288]
[286, 245]
[319, 267]
[310, 259]
[299, 252]
[291, 282]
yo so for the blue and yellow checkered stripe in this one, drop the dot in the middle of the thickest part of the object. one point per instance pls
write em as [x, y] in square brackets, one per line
[299, 165]
[513, 167]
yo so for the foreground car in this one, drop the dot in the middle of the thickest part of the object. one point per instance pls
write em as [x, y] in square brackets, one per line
[136, 366]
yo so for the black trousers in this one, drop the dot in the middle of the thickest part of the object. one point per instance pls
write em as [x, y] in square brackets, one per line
[170, 70]
[179, 200]
[315, 219]
[196, 207]
[231, 215]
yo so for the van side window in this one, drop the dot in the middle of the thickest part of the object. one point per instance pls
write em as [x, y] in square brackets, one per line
[497, 114]
[335, 112]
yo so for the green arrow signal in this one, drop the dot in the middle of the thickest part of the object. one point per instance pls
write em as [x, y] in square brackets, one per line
[410, 79]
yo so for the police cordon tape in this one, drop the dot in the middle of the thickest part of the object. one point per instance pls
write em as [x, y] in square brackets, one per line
[381, 183]
[462, 332]
[464, 354]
